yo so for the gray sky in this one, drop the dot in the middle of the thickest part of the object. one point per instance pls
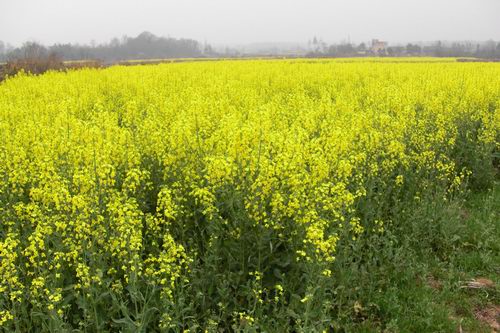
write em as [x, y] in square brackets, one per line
[249, 21]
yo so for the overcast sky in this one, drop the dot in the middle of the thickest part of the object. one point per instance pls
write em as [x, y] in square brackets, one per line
[249, 21]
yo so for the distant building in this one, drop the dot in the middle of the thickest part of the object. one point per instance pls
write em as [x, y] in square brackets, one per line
[378, 47]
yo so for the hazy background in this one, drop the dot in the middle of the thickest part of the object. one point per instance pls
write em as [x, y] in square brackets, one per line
[237, 22]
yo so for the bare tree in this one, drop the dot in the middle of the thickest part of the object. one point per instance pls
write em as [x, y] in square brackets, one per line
[33, 50]
[2, 49]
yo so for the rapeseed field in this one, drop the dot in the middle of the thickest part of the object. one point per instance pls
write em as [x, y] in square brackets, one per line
[218, 195]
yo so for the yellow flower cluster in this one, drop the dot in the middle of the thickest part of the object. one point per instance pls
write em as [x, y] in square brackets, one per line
[108, 176]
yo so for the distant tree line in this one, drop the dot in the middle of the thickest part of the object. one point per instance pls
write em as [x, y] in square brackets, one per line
[486, 50]
[148, 46]
[144, 46]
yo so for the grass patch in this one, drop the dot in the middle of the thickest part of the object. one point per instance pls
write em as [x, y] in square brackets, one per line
[442, 280]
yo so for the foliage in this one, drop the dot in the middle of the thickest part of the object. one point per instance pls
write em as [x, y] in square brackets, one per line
[144, 46]
[242, 195]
